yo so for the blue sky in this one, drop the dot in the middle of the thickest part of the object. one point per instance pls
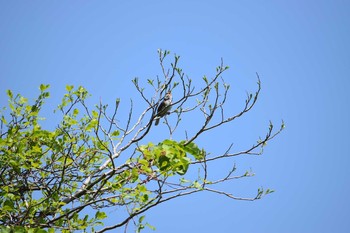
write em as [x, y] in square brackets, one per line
[299, 48]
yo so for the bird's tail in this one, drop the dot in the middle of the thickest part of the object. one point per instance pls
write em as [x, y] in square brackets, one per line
[156, 122]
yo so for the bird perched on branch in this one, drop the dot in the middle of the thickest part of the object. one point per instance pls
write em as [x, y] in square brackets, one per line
[164, 107]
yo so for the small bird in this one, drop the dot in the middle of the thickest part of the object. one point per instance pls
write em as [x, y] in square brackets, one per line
[164, 107]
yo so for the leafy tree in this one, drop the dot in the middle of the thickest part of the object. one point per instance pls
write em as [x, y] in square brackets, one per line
[67, 178]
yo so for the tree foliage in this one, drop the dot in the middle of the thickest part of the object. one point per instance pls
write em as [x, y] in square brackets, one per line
[67, 178]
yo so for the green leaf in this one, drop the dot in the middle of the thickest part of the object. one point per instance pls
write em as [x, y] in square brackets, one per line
[145, 198]
[94, 114]
[216, 86]
[183, 180]
[5, 229]
[150, 227]
[69, 87]
[163, 162]
[86, 218]
[22, 100]
[18, 229]
[40, 231]
[193, 149]
[75, 112]
[92, 124]
[197, 185]
[115, 133]
[150, 81]
[43, 87]
[8, 205]
[205, 79]
[141, 218]
[268, 191]
[3, 120]
[9, 94]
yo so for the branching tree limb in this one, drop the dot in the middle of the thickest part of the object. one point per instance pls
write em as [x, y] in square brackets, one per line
[67, 178]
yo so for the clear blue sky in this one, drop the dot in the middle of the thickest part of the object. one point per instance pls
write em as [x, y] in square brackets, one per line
[300, 49]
